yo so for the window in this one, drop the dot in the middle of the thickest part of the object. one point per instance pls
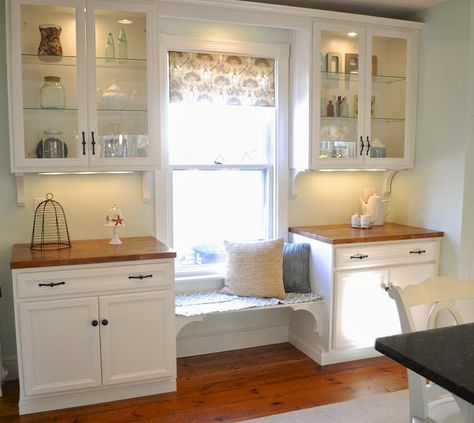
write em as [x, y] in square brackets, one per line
[221, 130]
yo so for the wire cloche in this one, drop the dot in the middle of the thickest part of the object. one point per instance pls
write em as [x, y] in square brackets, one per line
[50, 230]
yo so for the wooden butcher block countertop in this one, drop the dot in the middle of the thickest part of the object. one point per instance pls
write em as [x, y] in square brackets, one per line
[345, 234]
[91, 251]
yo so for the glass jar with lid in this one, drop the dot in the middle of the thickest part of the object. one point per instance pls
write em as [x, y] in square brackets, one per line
[52, 93]
[52, 145]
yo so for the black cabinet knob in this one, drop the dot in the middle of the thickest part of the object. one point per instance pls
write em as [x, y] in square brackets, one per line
[105, 322]
[95, 323]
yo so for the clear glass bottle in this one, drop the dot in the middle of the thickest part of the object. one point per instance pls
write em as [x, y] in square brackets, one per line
[109, 47]
[52, 93]
[122, 46]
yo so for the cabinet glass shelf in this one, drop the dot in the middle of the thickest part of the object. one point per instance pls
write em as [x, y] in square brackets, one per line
[122, 110]
[354, 118]
[43, 110]
[34, 59]
[103, 62]
[380, 79]
[387, 119]
[339, 117]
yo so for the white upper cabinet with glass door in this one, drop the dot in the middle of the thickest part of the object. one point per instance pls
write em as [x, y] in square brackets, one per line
[364, 97]
[80, 72]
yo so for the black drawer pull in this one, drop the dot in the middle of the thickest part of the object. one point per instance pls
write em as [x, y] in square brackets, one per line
[105, 322]
[359, 256]
[140, 277]
[417, 251]
[83, 143]
[52, 284]
[94, 323]
[93, 143]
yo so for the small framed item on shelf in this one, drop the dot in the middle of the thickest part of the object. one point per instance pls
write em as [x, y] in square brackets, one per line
[333, 62]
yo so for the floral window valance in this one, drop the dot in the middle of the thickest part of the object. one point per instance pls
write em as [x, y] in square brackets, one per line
[221, 79]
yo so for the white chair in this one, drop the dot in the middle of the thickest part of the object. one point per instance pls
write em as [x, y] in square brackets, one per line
[429, 402]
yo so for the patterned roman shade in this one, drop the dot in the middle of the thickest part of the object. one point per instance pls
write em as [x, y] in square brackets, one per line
[221, 79]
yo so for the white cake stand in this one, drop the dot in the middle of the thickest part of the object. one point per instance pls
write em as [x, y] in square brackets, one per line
[115, 238]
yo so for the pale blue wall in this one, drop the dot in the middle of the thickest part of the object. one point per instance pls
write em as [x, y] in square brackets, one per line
[432, 195]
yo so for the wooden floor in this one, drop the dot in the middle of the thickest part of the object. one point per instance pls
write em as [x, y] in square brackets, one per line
[234, 386]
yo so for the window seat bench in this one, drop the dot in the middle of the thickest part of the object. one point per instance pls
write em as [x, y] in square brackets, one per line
[196, 306]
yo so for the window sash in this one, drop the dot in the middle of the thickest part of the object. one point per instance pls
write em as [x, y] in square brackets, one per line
[218, 269]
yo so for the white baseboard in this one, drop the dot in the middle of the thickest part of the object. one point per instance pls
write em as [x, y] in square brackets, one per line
[232, 339]
[323, 357]
[315, 352]
[40, 403]
[11, 366]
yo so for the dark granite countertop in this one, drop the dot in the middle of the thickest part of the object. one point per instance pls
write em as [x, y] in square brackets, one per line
[444, 356]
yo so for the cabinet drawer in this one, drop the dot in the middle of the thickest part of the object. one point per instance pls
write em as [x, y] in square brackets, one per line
[367, 255]
[87, 280]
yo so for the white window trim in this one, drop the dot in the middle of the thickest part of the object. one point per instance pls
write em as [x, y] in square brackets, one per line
[278, 170]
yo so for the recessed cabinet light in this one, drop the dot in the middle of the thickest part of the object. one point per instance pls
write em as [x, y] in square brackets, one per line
[125, 21]
[352, 34]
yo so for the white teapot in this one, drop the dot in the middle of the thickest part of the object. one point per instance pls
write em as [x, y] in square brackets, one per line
[374, 208]
[114, 98]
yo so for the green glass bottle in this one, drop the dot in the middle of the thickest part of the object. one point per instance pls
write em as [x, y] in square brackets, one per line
[122, 47]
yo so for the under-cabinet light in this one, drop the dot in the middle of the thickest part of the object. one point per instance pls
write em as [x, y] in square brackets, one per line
[352, 34]
[352, 170]
[111, 172]
[125, 21]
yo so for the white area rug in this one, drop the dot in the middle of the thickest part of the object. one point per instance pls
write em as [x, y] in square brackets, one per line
[378, 408]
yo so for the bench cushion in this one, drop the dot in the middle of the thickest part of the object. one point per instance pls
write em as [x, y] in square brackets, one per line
[296, 267]
[202, 303]
[255, 269]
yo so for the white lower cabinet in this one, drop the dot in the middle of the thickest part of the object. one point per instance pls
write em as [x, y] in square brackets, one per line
[364, 311]
[133, 337]
[351, 277]
[60, 347]
[99, 343]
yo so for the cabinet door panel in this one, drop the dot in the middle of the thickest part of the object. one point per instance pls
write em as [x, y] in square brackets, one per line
[60, 347]
[340, 90]
[120, 47]
[137, 342]
[391, 101]
[362, 308]
[48, 96]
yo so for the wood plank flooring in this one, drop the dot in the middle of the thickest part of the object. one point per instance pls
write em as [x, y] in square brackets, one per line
[234, 386]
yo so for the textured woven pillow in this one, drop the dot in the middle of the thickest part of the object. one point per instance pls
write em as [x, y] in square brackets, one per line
[296, 267]
[255, 269]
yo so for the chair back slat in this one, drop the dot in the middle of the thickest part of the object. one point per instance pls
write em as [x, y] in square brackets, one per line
[443, 306]
[441, 294]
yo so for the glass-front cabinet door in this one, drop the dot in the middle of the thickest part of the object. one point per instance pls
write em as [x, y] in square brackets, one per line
[47, 77]
[80, 74]
[340, 87]
[119, 69]
[390, 116]
[364, 84]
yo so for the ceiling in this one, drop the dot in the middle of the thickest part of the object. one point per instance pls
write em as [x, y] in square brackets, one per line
[401, 9]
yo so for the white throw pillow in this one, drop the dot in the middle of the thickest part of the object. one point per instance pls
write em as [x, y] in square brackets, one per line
[255, 269]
